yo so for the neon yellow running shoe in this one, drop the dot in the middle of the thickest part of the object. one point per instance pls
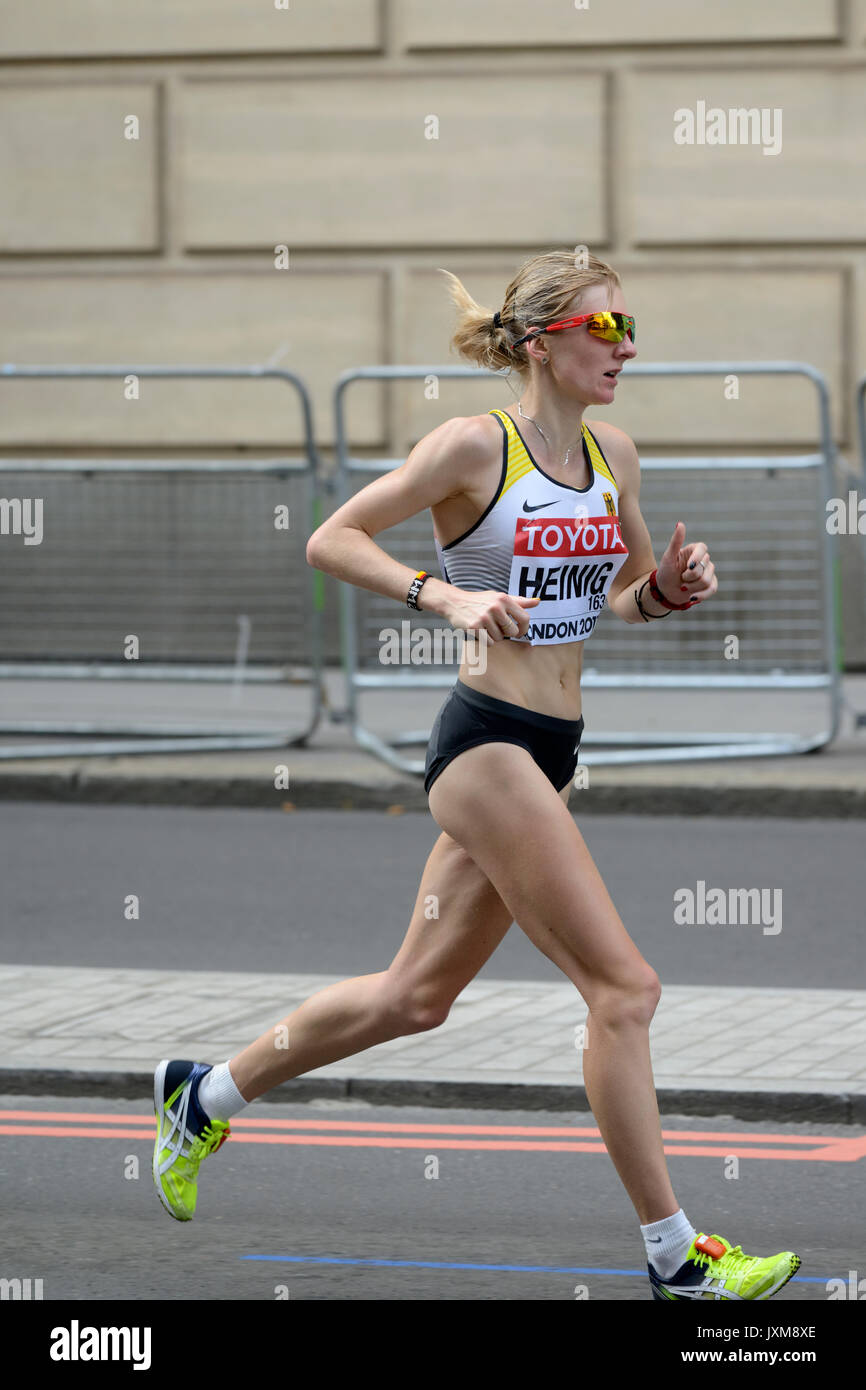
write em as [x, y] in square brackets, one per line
[184, 1135]
[716, 1269]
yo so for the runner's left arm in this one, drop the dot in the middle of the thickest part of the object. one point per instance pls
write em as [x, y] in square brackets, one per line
[641, 561]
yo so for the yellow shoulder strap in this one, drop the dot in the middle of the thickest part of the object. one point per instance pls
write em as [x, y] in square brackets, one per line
[519, 462]
[599, 462]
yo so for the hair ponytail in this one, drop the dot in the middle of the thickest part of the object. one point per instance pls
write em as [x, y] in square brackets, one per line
[476, 337]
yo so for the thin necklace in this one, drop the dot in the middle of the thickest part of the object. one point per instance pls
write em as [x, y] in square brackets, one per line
[540, 431]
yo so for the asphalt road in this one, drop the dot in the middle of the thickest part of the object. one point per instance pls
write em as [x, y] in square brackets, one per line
[346, 1206]
[332, 892]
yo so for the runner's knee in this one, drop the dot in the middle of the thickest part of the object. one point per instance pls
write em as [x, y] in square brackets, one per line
[412, 1007]
[418, 1009]
[631, 1001]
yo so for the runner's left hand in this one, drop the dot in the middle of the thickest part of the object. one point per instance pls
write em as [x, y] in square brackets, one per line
[686, 573]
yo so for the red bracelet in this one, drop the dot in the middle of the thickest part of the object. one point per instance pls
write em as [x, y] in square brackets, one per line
[660, 598]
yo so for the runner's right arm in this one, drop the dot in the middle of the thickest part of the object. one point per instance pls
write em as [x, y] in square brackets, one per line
[437, 467]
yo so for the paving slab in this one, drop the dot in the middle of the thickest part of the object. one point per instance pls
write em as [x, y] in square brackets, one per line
[75, 1038]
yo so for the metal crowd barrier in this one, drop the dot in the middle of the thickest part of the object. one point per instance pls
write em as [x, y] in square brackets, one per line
[860, 401]
[306, 629]
[810, 662]
[861, 430]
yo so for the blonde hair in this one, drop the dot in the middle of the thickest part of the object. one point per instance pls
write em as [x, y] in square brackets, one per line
[542, 290]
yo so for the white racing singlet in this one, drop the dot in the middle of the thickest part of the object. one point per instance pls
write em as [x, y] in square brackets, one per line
[539, 538]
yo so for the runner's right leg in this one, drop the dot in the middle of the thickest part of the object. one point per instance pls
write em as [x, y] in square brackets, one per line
[440, 955]
[458, 921]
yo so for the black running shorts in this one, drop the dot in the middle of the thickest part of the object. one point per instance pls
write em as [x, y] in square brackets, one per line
[469, 717]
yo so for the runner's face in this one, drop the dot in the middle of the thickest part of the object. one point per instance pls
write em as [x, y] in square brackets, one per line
[580, 361]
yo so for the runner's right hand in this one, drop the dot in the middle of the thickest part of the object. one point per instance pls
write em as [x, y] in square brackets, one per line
[487, 610]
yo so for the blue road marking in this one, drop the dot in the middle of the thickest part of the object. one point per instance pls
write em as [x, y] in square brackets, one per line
[498, 1269]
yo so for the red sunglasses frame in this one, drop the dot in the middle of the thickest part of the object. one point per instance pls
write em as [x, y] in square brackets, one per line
[628, 319]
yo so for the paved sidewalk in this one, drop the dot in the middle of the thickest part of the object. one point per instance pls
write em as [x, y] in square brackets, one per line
[752, 1053]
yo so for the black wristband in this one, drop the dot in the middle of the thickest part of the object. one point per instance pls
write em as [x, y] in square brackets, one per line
[647, 616]
[415, 588]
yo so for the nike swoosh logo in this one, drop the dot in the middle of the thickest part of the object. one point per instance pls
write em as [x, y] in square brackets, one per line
[527, 508]
[654, 1240]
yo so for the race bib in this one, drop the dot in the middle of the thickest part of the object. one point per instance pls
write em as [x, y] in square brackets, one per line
[569, 564]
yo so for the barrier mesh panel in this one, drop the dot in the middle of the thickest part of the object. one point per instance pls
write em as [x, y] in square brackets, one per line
[176, 560]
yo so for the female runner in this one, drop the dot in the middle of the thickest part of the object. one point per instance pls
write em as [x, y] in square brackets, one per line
[537, 524]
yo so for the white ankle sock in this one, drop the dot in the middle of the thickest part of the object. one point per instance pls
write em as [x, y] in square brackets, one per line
[667, 1242]
[218, 1095]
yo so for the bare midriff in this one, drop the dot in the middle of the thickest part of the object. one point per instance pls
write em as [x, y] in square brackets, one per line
[543, 678]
